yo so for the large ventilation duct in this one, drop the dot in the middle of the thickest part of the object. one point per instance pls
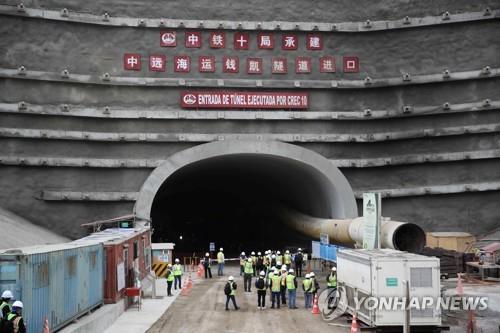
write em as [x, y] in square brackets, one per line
[402, 236]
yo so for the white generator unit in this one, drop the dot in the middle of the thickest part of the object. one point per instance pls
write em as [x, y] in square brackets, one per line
[375, 276]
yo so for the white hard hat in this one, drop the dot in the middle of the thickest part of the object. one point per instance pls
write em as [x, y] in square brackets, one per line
[308, 276]
[262, 273]
[334, 269]
[176, 260]
[230, 278]
[169, 265]
[273, 256]
[287, 251]
[253, 253]
[242, 253]
[283, 267]
[207, 254]
[300, 249]
[273, 268]
[17, 304]
[7, 294]
[278, 263]
[311, 274]
[278, 252]
[290, 270]
[221, 249]
[249, 259]
[258, 253]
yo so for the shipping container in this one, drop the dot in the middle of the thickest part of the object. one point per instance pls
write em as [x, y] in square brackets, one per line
[58, 282]
[127, 258]
[383, 275]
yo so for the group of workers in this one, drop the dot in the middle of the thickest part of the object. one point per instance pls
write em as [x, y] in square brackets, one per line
[276, 274]
[174, 277]
[272, 259]
[11, 320]
[273, 271]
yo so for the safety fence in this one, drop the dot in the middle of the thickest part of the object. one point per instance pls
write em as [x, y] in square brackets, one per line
[324, 251]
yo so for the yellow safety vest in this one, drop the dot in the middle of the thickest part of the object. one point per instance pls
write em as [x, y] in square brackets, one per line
[170, 275]
[288, 259]
[283, 279]
[279, 258]
[242, 261]
[290, 285]
[248, 268]
[254, 260]
[276, 279]
[220, 257]
[307, 284]
[177, 270]
[332, 280]
[313, 285]
[15, 319]
[232, 289]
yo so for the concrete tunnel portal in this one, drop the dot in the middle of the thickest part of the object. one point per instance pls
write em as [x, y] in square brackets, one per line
[224, 192]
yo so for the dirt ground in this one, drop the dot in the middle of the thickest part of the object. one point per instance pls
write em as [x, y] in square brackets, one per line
[203, 310]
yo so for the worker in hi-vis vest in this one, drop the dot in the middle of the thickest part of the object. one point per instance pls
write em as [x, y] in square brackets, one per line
[331, 279]
[287, 258]
[170, 280]
[275, 289]
[230, 292]
[331, 283]
[5, 307]
[291, 286]
[15, 317]
[243, 258]
[261, 286]
[220, 262]
[206, 264]
[254, 263]
[177, 269]
[248, 273]
[307, 287]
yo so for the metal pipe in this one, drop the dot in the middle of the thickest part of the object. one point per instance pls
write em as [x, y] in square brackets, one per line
[396, 235]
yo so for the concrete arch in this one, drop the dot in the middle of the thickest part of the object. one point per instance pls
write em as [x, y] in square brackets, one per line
[342, 203]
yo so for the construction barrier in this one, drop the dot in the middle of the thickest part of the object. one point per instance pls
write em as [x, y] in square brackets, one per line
[160, 269]
[325, 251]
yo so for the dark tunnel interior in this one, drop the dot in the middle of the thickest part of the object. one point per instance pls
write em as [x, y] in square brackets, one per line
[227, 200]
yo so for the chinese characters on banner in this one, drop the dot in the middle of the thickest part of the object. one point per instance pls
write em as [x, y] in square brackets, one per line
[230, 63]
[245, 100]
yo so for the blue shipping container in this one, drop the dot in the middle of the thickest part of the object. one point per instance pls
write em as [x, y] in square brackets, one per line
[59, 282]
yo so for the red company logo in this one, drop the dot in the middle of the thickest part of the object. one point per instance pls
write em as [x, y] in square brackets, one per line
[189, 99]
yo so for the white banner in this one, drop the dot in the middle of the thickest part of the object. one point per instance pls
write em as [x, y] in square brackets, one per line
[371, 218]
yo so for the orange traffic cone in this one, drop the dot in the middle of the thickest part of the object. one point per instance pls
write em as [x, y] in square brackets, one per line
[315, 309]
[354, 325]
[46, 326]
[460, 287]
[189, 282]
[200, 271]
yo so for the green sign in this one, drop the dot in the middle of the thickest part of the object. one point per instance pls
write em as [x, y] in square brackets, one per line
[391, 282]
[371, 220]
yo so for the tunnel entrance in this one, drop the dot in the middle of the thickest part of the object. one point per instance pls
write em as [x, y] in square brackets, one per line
[224, 193]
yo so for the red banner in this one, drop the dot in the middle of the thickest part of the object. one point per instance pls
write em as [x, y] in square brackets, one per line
[244, 100]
